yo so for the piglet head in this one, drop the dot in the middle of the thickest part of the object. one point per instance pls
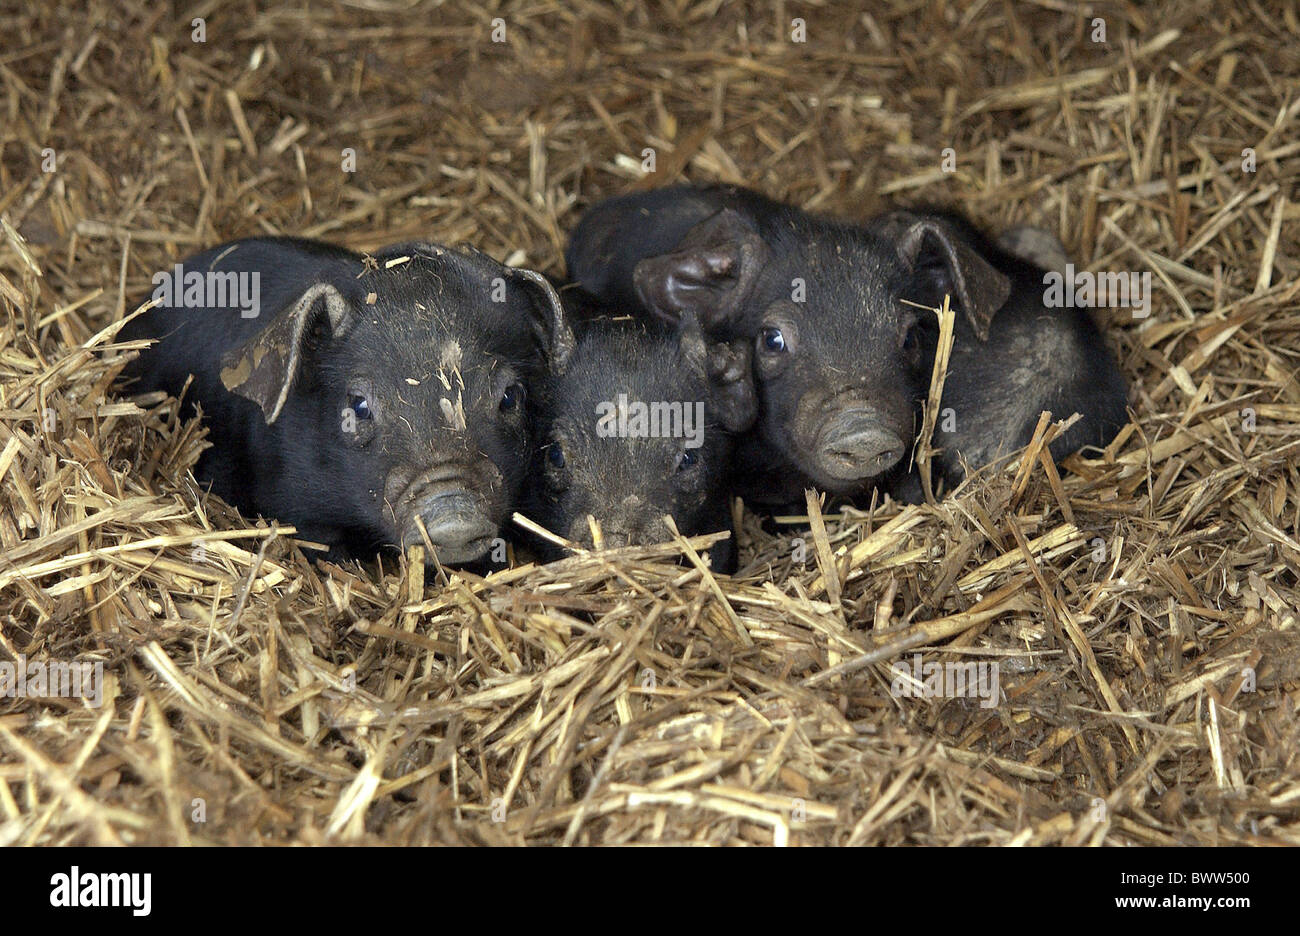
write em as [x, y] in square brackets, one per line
[637, 426]
[841, 361]
[402, 393]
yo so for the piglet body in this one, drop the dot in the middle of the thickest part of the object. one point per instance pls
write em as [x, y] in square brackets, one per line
[372, 402]
[1033, 358]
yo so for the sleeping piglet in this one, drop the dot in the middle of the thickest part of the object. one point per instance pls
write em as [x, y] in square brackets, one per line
[372, 402]
[634, 422]
[842, 361]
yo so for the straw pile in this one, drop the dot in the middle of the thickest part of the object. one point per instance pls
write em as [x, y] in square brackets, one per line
[1142, 606]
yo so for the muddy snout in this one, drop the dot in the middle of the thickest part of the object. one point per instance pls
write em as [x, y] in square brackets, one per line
[458, 519]
[625, 522]
[854, 443]
[457, 524]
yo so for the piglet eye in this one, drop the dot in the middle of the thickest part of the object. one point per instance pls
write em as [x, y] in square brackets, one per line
[555, 455]
[687, 460]
[360, 406]
[772, 339]
[512, 398]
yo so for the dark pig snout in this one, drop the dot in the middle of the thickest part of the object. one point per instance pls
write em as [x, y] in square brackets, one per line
[854, 443]
[456, 513]
[456, 523]
[625, 523]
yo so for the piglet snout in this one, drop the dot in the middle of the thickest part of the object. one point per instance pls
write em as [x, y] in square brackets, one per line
[855, 444]
[457, 518]
[456, 523]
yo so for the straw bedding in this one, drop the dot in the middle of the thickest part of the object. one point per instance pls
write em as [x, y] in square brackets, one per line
[1142, 606]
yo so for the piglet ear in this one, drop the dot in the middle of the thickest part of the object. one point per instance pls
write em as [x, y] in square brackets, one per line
[731, 384]
[711, 273]
[557, 337]
[974, 282]
[263, 369]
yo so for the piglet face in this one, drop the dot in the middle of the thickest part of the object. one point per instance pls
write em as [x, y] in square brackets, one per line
[402, 394]
[836, 355]
[840, 363]
[841, 359]
[636, 426]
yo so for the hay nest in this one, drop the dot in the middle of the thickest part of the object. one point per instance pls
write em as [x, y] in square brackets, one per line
[1142, 606]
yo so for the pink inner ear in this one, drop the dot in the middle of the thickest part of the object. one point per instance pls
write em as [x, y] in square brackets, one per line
[720, 263]
[910, 243]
